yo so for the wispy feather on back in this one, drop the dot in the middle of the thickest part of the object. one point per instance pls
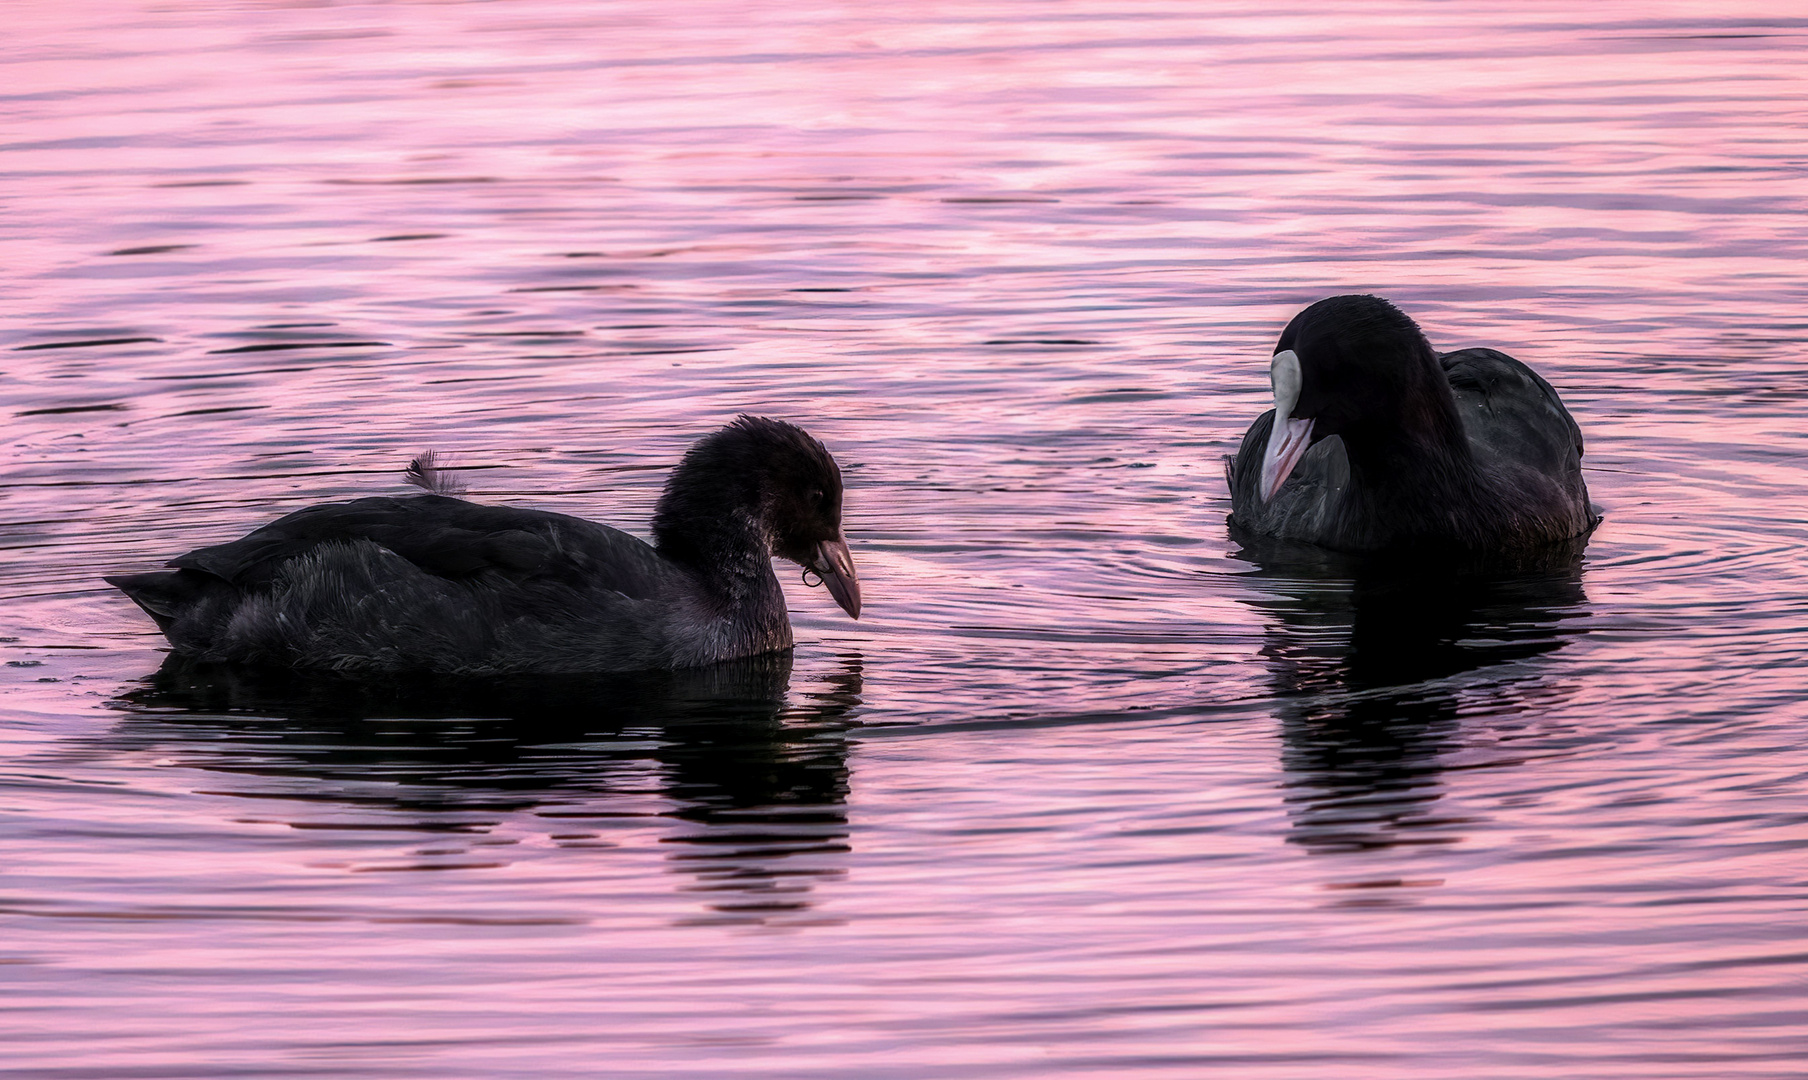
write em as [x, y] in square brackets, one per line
[428, 472]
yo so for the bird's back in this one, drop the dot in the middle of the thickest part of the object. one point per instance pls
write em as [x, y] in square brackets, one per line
[433, 583]
[447, 537]
[1522, 437]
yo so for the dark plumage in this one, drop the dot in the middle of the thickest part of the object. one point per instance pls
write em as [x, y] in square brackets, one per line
[1386, 446]
[432, 583]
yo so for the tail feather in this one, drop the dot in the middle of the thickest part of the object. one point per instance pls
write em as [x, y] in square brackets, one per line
[189, 606]
[164, 595]
[428, 473]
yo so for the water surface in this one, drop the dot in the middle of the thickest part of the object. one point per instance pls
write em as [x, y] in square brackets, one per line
[1089, 790]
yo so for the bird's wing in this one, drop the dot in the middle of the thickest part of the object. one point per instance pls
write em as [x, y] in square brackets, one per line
[449, 538]
[1510, 414]
[1309, 504]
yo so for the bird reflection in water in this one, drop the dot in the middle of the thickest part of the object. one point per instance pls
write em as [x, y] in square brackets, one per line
[751, 775]
[1374, 661]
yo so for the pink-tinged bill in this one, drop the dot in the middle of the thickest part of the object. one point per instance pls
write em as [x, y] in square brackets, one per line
[1287, 443]
[834, 564]
[1289, 438]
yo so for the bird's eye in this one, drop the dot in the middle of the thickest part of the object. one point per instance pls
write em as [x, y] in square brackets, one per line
[816, 495]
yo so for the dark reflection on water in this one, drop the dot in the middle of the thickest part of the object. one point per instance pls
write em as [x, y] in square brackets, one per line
[1362, 655]
[755, 772]
[757, 791]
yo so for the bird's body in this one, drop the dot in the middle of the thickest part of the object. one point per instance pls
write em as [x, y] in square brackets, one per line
[1386, 446]
[432, 583]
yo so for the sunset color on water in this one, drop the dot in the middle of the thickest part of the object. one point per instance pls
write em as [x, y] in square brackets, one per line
[1090, 788]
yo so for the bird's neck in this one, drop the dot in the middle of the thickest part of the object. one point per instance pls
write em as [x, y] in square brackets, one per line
[1416, 478]
[729, 553]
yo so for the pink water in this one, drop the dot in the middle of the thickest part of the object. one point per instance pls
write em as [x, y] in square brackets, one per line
[1084, 793]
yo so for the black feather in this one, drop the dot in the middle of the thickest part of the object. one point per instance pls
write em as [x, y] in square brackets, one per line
[427, 473]
[434, 583]
[1470, 451]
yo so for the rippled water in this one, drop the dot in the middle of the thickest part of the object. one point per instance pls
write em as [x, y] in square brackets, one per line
[1088, 791]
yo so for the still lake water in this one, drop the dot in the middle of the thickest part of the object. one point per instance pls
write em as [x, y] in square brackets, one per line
[1087, 791]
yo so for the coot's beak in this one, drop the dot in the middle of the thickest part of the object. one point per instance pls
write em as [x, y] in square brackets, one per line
[835, 566]
[1287, 443]
[1289, 437]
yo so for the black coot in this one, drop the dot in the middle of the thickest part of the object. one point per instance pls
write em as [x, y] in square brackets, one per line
[1377, 443]
[432, 583]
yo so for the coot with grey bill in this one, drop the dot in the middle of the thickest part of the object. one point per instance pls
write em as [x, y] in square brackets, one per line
[438, 584]
[1376, 443]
